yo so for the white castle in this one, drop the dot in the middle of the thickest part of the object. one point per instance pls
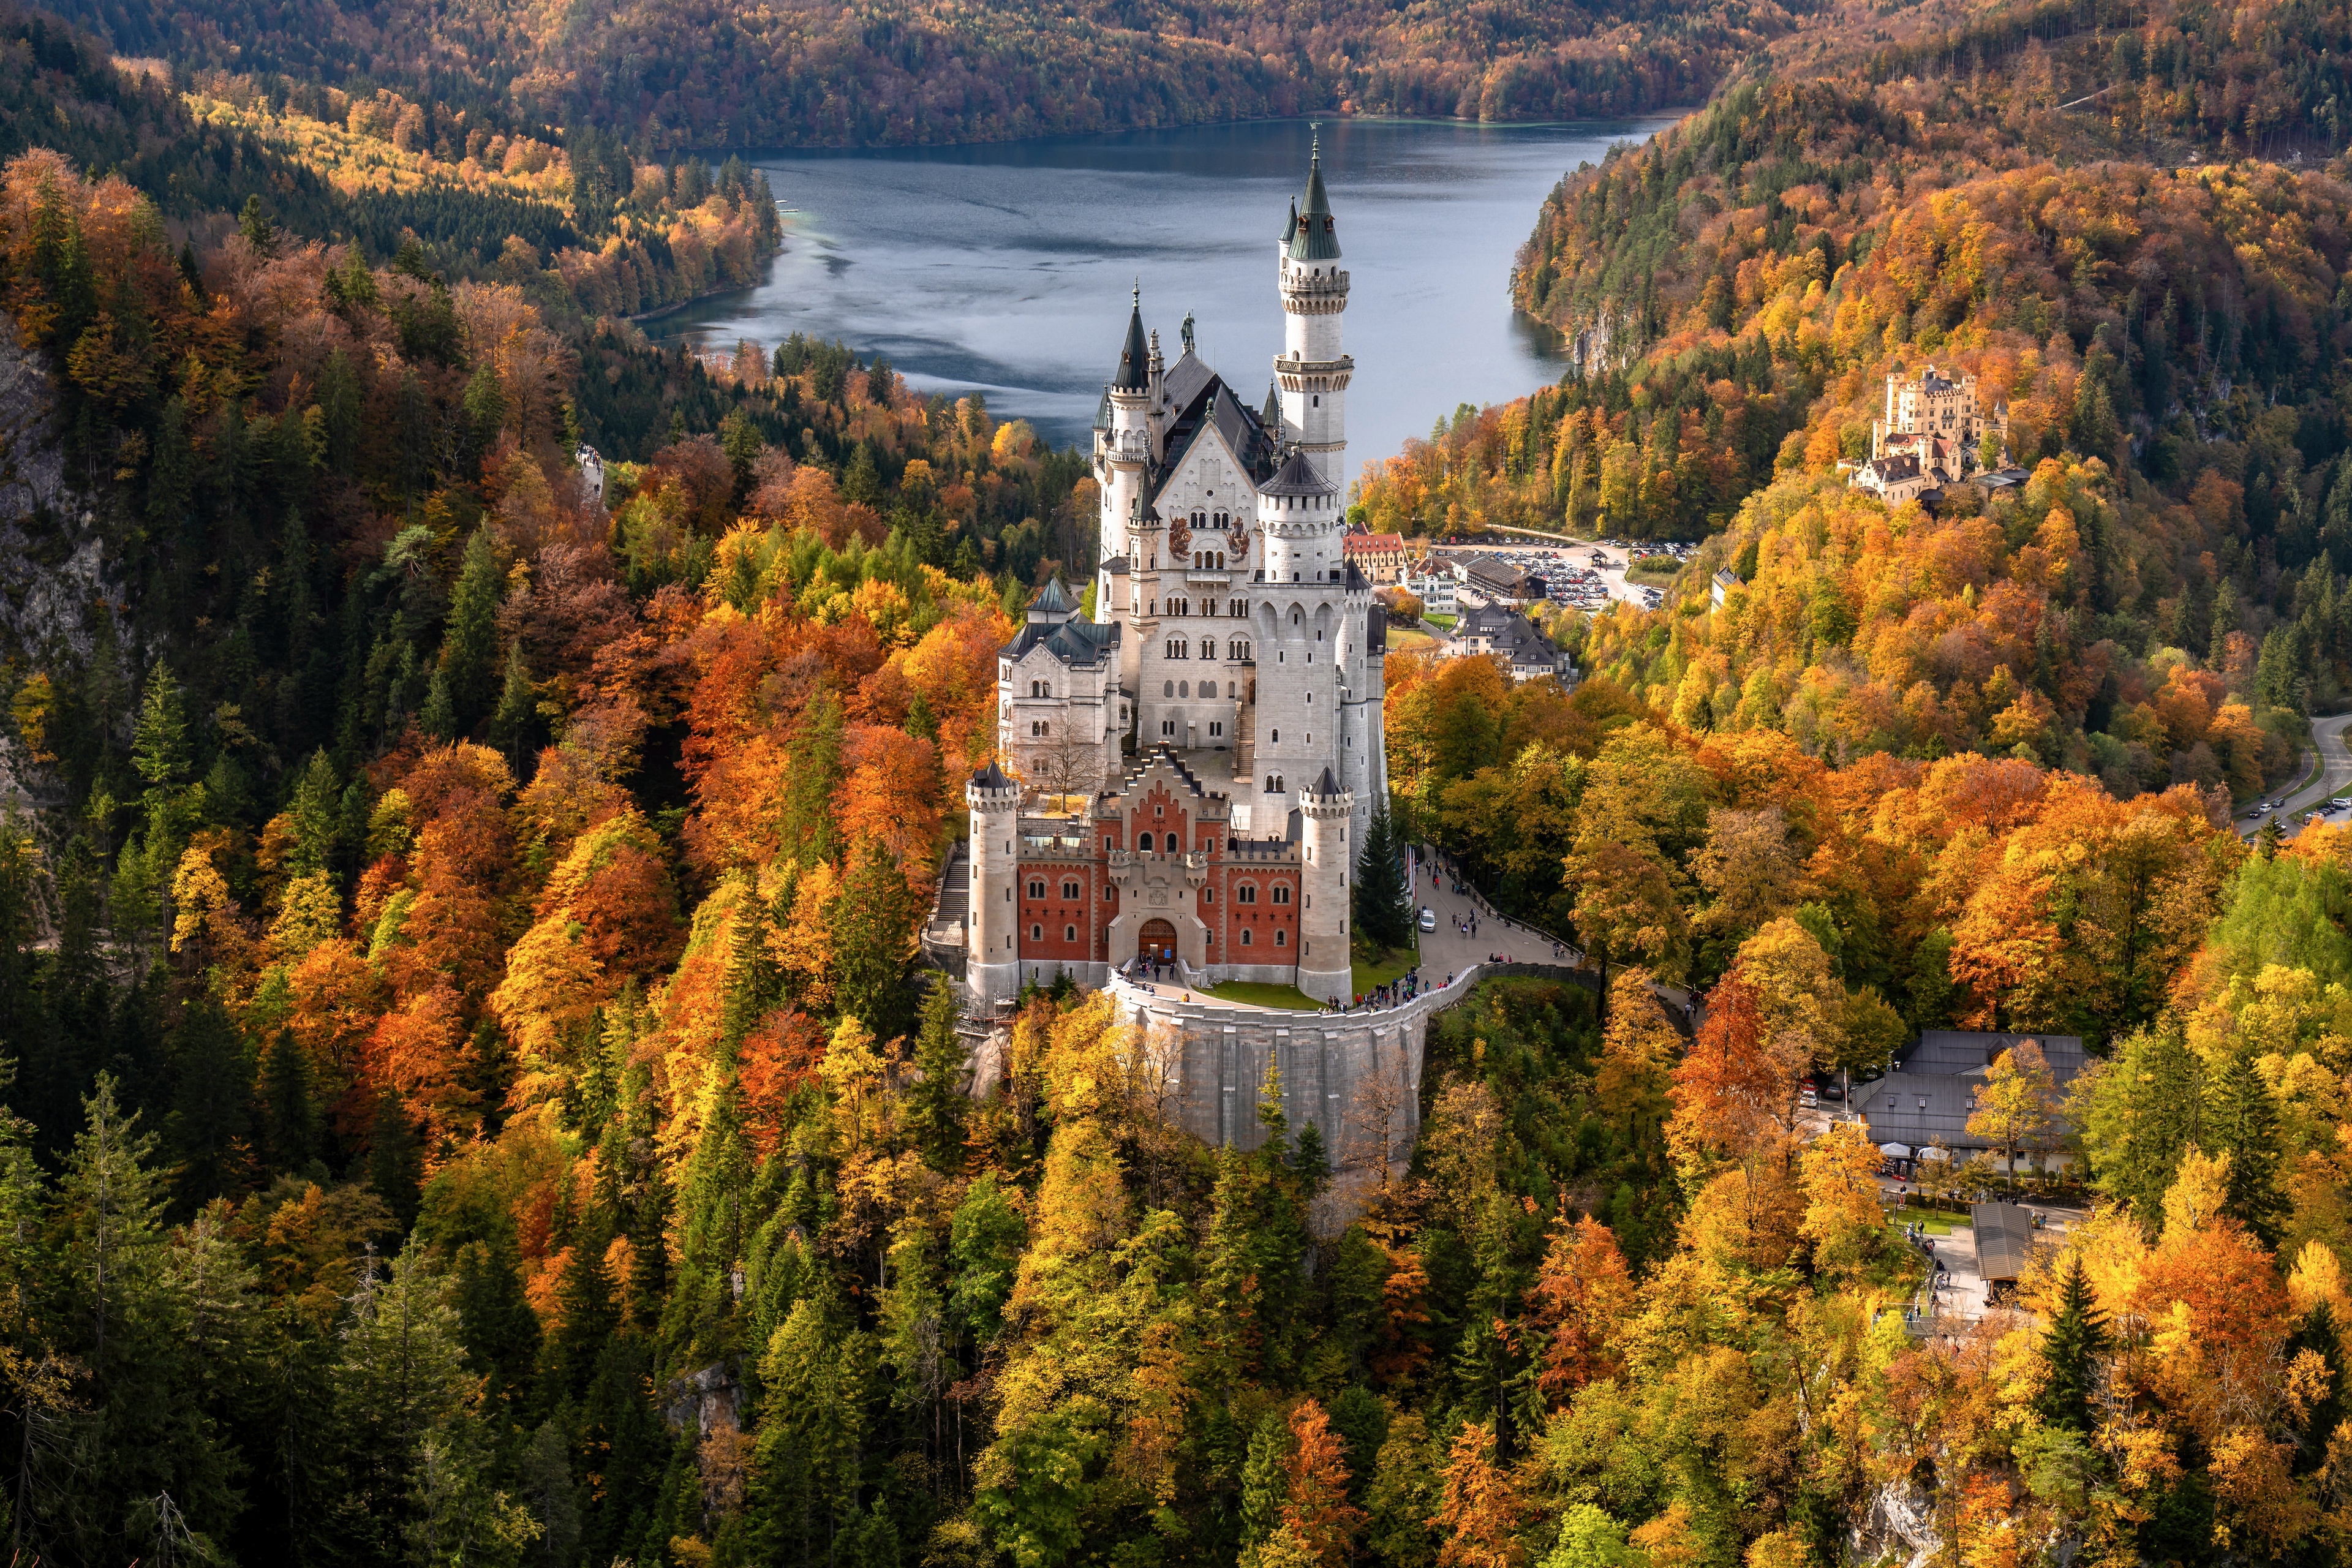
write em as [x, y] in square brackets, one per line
[1194, 767]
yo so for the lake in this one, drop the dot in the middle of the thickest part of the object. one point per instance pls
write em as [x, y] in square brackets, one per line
[1006, 269]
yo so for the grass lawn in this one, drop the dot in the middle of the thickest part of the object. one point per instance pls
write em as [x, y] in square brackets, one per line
[1392, 964]
[1443, 623]
[1398, 640]
[1654, 579]
[1939, 1222]
[1258, 994]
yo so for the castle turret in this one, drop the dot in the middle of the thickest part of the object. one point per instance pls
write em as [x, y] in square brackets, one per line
[1324, 810]
[993, 951]
[1313, 372]
[1123, 435]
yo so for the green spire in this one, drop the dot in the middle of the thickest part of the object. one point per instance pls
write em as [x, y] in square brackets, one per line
[1315, 237]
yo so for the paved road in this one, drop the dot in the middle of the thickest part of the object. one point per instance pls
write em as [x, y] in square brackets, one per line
[1448, 951]
[2334, 774]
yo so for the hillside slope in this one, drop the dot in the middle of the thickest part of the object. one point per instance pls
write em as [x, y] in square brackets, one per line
[2150, 286]
[728, 74]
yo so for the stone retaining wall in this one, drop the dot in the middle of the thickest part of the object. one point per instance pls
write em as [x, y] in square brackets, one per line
[1356, 1075]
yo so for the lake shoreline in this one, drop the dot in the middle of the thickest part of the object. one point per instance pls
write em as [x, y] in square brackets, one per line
[1005, 268]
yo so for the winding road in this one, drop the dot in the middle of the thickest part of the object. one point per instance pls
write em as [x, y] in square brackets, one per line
[2334, 773]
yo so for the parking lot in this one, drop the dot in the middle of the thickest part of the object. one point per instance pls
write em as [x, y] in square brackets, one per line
[1587, 574]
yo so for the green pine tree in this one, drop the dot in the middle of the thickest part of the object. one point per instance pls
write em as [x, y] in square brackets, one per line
[2243, 1122]
[2070, 1349]
[874, 923]
[812, 776]
[290, 1114]
[1384, 903]
[469, 653]
[211, 1094]
[395, 1162]
[935, 1105]
[514, 727]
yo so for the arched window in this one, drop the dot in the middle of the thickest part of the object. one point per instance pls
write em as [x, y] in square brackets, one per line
[1278, 787]
[1281, 938]
[1069, 891]
[1167, 688]
[1183, 688]
[1143, 843]
[1269, 784]
[1069, 934]
[1277, 738]
[1246, 936]
[1208, 647]
[1167, 726]
[1036, 933]
[1246, 893]
[1281, 894]
[1176, 646]
[1037, 889]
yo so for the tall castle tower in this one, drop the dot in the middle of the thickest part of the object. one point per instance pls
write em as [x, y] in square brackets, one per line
[993, 952]
[1326, 808]
[1312, 372]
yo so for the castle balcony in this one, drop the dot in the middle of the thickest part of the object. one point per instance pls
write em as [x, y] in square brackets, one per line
[1126, 445]
[1208, 577]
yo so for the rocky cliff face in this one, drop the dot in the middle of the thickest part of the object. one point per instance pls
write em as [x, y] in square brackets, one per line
[55, 601]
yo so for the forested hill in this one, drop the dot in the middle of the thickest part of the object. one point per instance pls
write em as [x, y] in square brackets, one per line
[2129, 222]
[721, 73]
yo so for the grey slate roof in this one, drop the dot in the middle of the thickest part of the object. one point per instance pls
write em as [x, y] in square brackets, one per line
[1376, 629]
[1967, 1050]
[1298, 477]
[1203, 401]
[992, 777]
[1326, 784]
[1134, 373]
[1052, 599]
[1080, 644]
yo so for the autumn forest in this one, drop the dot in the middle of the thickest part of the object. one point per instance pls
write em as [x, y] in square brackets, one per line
[472, 1089]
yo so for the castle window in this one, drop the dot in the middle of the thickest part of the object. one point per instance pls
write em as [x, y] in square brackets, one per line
[1105, 843]
[1277, 737]
[1069, 934]
[1176, 646]
[1069, 891]
[1037, 890]
[1183, 688]
[1281, 938]
[1246, 893]
[1167, 726]
[1281, 894]
[1167, 688]
[1036, 933]
[1143, 843]
[1246, 936]
[1208, 647]
[1237, 608]
[1216, 727]
[1208, 895]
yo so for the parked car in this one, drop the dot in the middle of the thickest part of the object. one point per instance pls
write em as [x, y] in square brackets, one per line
[1428, 918]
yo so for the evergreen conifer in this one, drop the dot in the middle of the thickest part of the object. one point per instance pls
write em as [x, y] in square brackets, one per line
[2070, 1349]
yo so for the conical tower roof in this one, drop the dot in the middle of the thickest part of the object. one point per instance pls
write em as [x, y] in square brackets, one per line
[1316, 238]
[1052, 600]
[1134, 373]
[1290, 229]
[1273, 414]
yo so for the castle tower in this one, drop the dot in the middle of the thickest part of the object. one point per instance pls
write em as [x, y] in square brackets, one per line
[1325, 809]
[1312, 372]
[993, 953]
[1123, 435]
